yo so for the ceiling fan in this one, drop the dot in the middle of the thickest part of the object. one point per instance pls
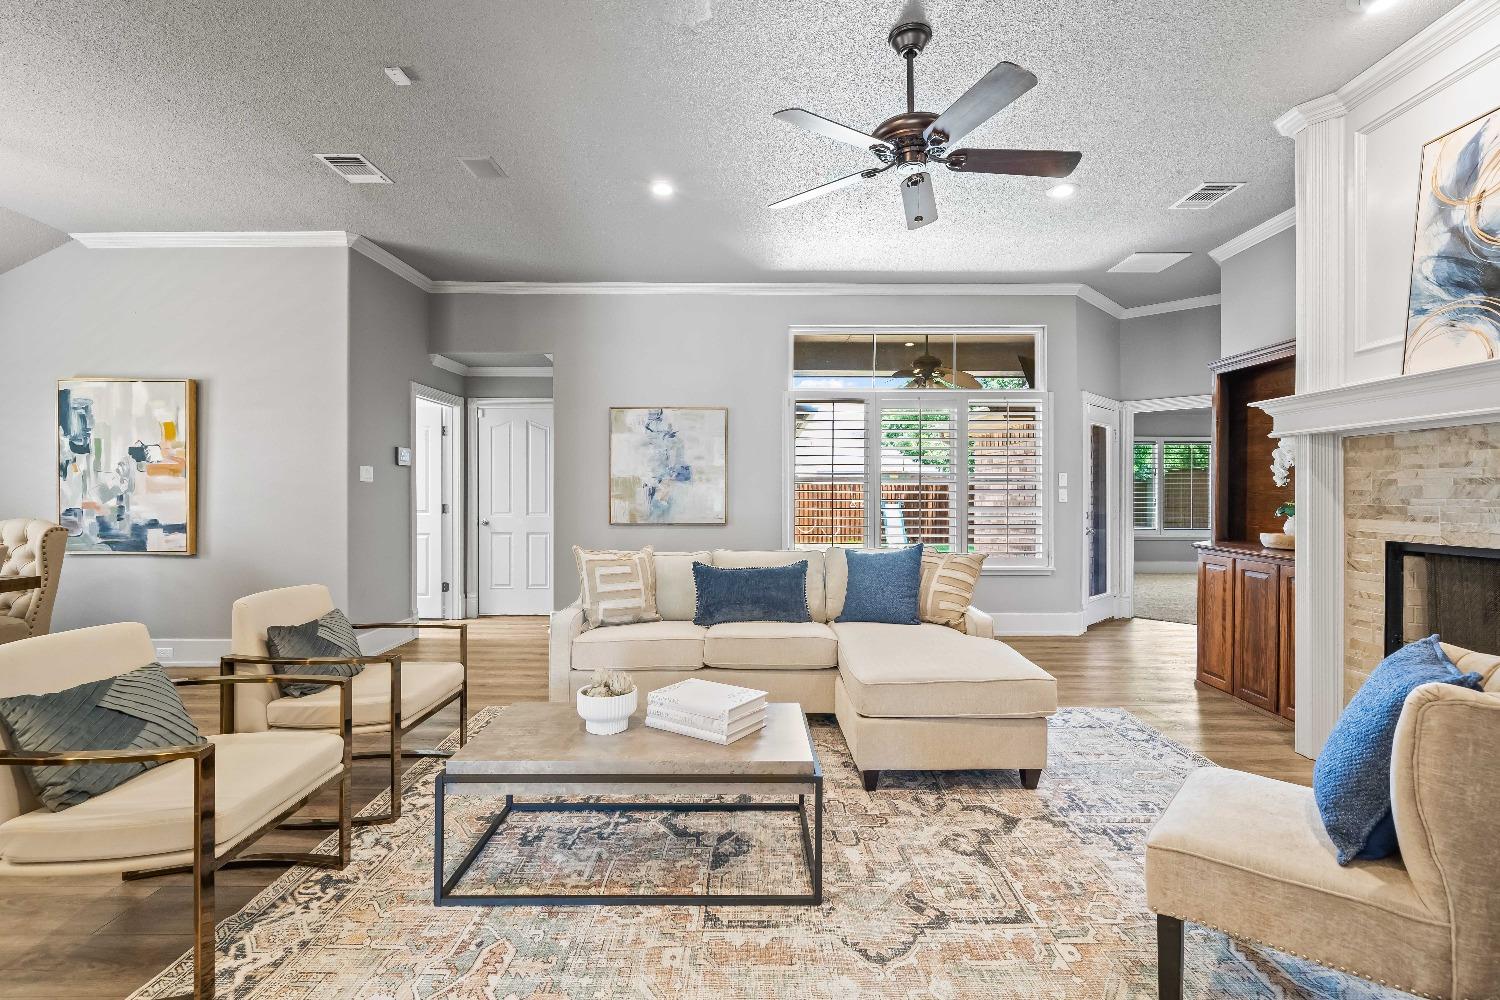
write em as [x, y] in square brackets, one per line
[927, 372]
[909, 142]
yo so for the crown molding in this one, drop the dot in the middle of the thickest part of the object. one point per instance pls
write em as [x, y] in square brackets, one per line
[1166, 404]
[132, 241]
[1319, 109]
[1417, 51]
[1100, 301]
[1176, 305]
[390, 262]
[1244, 241]
[447, 364]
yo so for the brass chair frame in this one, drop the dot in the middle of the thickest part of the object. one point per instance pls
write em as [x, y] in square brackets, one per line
[398, 726]
[206, 863]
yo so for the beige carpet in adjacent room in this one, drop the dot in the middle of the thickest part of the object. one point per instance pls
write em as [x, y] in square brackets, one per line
[1167, 597]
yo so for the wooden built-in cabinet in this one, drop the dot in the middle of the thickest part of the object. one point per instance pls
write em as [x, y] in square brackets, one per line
[1246, 599]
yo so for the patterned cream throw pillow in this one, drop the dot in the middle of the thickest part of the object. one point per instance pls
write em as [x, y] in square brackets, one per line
[617, 588]
[948, 581]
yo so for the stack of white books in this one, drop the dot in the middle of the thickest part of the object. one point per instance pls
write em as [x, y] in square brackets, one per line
[707, 710]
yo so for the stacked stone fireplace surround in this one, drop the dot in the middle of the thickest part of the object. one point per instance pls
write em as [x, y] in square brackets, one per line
[1440, 487]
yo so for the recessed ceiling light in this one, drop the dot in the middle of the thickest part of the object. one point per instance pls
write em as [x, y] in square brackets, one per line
[398, 76]
[1065, 189]
[663, 189]
[1369, 6]
[910, 343]
[1149, 262]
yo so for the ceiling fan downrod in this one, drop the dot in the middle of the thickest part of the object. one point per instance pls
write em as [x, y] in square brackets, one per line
[909, 39]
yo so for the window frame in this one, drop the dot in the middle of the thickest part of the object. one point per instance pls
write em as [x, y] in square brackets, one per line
[1158, 443]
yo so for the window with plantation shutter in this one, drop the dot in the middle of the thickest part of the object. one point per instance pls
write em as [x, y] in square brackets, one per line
[829, 458]
[1007, 487]
[1184, 485]
[1144, 482]
[1172, 485]
[918, 479]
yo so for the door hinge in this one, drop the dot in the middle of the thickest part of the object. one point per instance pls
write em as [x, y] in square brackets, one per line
[445, 587]
[445, 508]
[445, 430]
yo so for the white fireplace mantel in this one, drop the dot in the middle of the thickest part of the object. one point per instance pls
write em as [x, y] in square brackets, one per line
[1448, 398]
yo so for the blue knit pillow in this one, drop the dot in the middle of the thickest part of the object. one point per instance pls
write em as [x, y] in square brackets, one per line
[752, 594]
[884, 587]
[1352, 777]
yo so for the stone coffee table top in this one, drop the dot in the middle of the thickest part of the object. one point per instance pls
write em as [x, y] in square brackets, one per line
[548, 738]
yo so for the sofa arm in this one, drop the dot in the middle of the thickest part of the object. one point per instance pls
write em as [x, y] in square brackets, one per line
[978, 623]
[1445, 781]
[567, 625]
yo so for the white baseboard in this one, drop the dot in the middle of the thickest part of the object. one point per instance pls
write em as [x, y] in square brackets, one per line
[471, 605]
[1039, 623]
[377, 640]
[206, 652]
[1166, 567]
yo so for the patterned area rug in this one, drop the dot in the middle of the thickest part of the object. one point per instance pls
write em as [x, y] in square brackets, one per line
[937, 886]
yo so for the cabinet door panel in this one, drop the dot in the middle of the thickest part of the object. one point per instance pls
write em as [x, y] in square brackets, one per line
[1289, 642]
[1257, 646]
[1216, 621]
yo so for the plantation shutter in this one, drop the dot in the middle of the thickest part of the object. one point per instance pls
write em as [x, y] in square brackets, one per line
[1184, 485]
[918, 495]
[829, 473]
[1144, 486]
[1007, 491]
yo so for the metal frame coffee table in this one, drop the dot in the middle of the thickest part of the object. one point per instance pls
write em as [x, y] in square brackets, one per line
[541, 748]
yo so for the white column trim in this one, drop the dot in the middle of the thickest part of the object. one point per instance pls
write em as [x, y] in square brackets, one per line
[1320, 609]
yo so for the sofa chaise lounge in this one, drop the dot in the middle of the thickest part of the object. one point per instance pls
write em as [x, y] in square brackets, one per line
[907, 697]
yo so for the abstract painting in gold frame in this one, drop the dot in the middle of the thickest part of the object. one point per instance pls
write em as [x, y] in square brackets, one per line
[1453, 316]
[127, 470]
[667, 464]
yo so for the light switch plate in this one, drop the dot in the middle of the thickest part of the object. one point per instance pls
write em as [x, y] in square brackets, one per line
[1062, 480]
[367, 473]
[1062, 496]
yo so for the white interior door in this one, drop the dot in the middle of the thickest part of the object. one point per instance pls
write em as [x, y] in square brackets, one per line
[1101, 510]
[427, 476]
[514, 449]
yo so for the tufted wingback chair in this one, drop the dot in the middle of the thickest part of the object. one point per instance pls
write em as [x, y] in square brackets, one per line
[29, 547]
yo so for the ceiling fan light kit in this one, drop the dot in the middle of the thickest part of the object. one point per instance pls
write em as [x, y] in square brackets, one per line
[915, 139]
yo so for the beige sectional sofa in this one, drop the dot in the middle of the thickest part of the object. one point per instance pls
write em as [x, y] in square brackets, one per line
[907, 697]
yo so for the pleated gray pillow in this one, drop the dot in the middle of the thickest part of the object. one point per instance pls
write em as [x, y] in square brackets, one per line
[330, 635]
[140, 710]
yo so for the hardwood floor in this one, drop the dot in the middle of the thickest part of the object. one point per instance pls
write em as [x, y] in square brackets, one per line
[102, 938]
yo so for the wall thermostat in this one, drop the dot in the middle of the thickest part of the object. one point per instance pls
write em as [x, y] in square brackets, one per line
[403, 456]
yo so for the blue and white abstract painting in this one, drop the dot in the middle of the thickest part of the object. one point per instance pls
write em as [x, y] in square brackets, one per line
[667, 465]
[1454, 314]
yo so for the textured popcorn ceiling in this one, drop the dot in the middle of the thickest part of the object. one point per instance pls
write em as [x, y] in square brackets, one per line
[205, 115]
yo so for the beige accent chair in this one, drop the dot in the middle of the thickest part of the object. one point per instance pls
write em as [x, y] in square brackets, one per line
[29, 547]
[196, 811]
[390, 696]
[907, 697]
[1248, 856]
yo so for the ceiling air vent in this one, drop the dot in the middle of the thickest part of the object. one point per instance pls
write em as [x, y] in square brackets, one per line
[483, 168]
[353, 168]
[1208, 195]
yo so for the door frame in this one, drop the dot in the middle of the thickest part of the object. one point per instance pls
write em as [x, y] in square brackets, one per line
[453, 495]
[471, 461]
[1097, 609]
[1128, 411]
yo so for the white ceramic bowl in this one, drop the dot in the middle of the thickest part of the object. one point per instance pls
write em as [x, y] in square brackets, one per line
[606, 716]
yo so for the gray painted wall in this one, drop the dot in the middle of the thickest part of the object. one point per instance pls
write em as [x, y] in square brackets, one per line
[507, 387]
[1173, 423]
[264, 332]
[1258, 288]
[622, 350]
[387, 352]
[1168, 355]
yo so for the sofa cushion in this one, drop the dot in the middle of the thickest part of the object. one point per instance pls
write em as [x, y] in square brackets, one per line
[1249, 855]
[931, 671]
[736, 559]
[771, 646]
[423, 685]
[327, 635]
[948, 582]
[256, 776]
[883, 586]
[616, 587]
[676, 594]
[643, 646]
[751, 594]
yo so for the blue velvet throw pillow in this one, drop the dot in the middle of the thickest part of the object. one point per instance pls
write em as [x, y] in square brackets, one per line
[760, 594]
[1352, 776]
[884, 586]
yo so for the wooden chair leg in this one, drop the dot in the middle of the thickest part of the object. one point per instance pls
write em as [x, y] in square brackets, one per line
[871, 779]
[1031, 777]
[204, 865]
[1168, 957]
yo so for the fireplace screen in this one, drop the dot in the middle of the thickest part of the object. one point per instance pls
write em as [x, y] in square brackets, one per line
[1448, 589]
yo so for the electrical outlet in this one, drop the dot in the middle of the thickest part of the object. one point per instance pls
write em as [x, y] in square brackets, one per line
[164, 652]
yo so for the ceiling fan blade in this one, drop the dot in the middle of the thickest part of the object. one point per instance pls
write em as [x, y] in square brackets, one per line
[827, 188]
[1025, 162]
[958, 379]
[828, 128]
[994, 91]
